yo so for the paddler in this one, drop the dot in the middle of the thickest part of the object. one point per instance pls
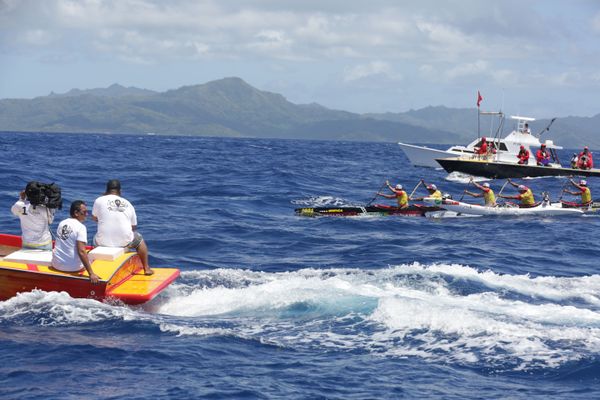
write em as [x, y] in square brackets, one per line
[584, 191]
[486, 192]
[432, 189]
[525, 195]
[398, 193]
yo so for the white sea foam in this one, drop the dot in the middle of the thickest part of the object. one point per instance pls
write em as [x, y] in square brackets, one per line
[442, 312]
[505, 321]
[58, 308]
[322, 201]
[464, 178]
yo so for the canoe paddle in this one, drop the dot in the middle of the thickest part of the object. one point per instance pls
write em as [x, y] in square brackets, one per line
[502, 188]
[415, 189]
[564, 186]
[465, 191]
[376, 193]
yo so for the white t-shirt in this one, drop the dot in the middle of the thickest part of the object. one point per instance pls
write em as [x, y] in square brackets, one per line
[34, 223]
[116, 216]
[65, 256]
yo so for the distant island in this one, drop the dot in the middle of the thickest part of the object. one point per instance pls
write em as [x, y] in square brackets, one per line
[233, 108]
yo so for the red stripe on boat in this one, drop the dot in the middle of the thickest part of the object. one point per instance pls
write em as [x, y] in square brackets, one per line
[32, 267]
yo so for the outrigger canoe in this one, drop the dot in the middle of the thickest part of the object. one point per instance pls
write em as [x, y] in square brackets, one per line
[543, 208]
[591, 208]
[415, 210]
[121, 274]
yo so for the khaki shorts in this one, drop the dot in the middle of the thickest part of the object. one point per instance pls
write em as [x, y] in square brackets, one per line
[134, 244]
[137, 240]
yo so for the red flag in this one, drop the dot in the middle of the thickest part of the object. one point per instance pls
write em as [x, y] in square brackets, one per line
[479, 98]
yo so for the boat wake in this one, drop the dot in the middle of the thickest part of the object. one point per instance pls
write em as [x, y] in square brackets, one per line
[322, 201]
[460, 177]
[442, 313]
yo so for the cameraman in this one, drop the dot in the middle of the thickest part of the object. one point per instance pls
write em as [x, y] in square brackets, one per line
[35, 220]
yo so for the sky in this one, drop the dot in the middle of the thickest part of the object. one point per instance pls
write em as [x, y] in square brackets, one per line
[537, 58]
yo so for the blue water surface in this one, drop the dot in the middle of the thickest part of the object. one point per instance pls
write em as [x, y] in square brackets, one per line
[273, 305]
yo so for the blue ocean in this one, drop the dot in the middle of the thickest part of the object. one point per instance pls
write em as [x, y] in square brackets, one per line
[274, 305]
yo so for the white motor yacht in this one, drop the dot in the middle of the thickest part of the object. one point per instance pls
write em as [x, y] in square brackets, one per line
[503, 149]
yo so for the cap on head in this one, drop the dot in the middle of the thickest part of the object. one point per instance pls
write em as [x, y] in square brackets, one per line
[585, 148]
[113, 184]
[583, 182]
[543, 145]
[522, 188]
[399, 186]
[486, 185]
[431, 187]
[483, 138]
[522, 147]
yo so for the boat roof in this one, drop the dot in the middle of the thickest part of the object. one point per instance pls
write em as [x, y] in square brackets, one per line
[519, 118]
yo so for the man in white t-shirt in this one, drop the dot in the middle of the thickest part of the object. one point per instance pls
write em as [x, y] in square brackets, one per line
[35, 221]
[69, 253]
[117, 223]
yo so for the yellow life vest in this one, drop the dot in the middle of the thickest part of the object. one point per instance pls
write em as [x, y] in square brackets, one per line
[489, 197]
[402, 198]
[436, 195]
[586, 196]
[527, 198]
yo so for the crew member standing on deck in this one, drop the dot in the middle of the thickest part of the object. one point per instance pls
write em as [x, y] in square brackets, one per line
[398, 193]
[525, 195]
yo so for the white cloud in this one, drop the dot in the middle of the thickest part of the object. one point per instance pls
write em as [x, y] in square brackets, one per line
[596, 23]
[479, 67]
[357, 44]
[367, 70]
[37, 37]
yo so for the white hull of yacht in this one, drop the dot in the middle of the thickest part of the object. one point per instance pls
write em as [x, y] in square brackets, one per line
[423, 156]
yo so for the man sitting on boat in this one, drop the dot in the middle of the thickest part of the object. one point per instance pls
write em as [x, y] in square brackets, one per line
[526, 129]
[483, 149]
[542, 156]
[486, 192]
[70, 254]
[525, 195]
[117, 223]
[574, 161]
[398, 193]
[584, 192]
[523, 155]
[433, 191]
[585, 160]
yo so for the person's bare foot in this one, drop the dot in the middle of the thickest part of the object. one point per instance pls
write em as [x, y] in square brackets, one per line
[148, 271]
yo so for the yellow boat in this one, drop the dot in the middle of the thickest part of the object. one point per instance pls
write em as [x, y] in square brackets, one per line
[121, 274]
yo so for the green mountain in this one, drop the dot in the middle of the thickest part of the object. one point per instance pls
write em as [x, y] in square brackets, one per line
[231, 107]
[226, 107]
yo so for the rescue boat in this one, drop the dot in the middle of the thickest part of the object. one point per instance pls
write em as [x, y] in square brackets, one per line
[121, 274]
